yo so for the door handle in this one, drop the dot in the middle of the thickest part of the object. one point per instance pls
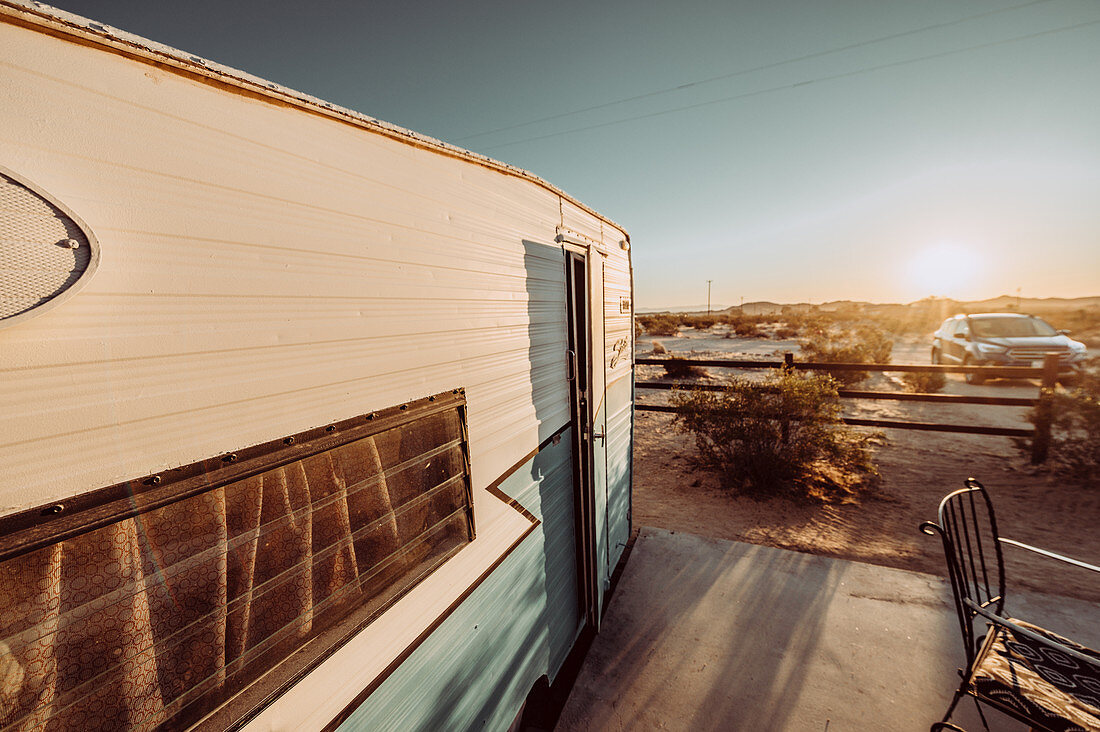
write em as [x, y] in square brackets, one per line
[599, 435]
[570, 365]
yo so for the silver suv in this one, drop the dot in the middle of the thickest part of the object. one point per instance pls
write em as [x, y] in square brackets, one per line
[1003, 339]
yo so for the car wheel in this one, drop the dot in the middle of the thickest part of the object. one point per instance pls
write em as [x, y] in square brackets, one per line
[975, 379]
[936, 358]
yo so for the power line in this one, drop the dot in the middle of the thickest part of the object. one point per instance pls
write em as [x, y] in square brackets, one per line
[807, 82]
[753, 70]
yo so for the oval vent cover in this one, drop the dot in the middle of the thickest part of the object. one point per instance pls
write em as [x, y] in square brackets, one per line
[46, 252]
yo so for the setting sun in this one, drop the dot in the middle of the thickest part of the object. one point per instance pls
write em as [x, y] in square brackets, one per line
[945, 269]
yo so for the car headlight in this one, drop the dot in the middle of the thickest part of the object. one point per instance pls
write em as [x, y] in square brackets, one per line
[990, 348]
[1077, 349]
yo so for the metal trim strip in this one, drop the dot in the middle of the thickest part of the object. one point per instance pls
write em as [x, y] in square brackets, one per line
[26, 531]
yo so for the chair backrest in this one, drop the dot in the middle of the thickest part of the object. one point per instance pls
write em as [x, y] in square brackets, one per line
[971, 545]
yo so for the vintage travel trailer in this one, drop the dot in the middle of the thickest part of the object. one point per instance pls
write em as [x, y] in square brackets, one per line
[309, 421]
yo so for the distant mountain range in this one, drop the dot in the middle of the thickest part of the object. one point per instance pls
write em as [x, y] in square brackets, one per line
[1004, 302]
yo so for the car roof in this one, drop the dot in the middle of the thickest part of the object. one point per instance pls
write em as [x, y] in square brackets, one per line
[996, 315]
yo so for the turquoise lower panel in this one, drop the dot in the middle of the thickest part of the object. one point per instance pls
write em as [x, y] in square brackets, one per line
[555, 498]
[476, 669]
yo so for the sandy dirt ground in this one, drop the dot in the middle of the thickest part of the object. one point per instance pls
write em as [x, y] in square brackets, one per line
[917, 469]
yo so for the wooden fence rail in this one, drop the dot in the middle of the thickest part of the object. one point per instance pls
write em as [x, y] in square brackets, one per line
[901, 396]
[993, 372]
[1040, 436]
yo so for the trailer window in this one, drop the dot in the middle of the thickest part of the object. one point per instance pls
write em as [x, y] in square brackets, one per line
[226, 580]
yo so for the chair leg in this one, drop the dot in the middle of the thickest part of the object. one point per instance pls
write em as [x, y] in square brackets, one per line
[943, 724]
[981, 714]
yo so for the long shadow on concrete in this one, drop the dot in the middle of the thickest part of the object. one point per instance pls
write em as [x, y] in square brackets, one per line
[707, 634]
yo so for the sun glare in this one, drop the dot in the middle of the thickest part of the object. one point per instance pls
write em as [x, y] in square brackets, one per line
[944, 270]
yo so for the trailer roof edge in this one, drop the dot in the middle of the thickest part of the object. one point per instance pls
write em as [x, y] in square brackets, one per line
[63, 24]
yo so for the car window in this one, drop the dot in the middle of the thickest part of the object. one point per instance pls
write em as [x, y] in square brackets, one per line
[1011, 327]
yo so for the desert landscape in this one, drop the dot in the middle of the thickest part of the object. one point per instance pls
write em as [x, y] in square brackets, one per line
[916, 468]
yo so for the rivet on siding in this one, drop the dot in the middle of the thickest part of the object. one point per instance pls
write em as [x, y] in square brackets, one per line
[230, 458]
[289, 441]
[155, 480]
[71, 243]
[404, 407]
[330, 428]
[54, 509]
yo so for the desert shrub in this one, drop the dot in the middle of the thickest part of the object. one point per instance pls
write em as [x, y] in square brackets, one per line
[1083, 324]
[744, 326]
[660, 325]
[740, 325]
[699, 322]
[734, 317]
[1074, 319]
[786, 332]
[810, 325]
[679, 368]
[659, 349]
[878, 344]
[919, 318]
[864, 344]
[923, 383]
[781, 436]
[1075, 426]
[747, 329]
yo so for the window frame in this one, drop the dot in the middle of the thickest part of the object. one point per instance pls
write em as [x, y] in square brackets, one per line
[42, 526]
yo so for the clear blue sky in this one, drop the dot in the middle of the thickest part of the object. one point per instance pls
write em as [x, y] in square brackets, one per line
[795, 150]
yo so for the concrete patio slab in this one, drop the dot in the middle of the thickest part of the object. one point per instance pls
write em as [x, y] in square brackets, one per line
[707, 634]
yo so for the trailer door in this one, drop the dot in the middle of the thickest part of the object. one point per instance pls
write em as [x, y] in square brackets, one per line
[578, 280]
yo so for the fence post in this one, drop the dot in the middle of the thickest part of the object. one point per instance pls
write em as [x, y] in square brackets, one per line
[785, 424]
[1044, 412]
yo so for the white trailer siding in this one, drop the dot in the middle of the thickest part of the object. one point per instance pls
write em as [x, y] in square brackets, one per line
[619, 342]
[375, 271]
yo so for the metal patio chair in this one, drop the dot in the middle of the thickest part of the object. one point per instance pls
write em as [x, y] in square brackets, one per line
[1023, 670]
